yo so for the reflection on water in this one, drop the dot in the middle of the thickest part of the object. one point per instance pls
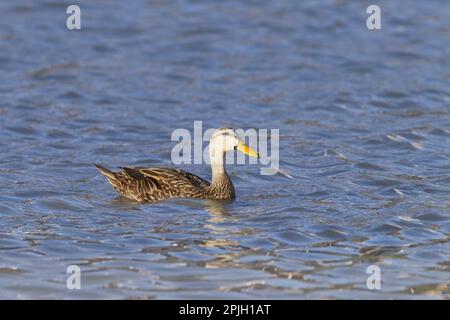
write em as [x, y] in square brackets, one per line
[218, 210]
[363, 119]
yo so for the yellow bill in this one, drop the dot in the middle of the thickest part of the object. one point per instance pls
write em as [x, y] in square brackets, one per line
[247, 150]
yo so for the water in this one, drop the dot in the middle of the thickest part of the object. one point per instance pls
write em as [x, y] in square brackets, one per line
[364, 123]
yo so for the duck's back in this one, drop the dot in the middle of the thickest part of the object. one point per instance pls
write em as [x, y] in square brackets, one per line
[155, 184]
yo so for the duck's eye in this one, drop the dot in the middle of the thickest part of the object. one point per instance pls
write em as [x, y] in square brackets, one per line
[226, 133]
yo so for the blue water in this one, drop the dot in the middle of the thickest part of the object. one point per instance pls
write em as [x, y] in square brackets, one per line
[364, 135]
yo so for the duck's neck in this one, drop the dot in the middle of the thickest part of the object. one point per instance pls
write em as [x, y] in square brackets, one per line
[221, 184]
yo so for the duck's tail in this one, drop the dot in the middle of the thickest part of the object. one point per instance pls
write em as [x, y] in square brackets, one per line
[108, 173]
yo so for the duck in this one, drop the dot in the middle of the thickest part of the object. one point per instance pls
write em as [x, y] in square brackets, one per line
[161, 183]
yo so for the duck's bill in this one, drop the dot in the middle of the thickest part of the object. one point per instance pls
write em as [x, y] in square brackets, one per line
[247, 150]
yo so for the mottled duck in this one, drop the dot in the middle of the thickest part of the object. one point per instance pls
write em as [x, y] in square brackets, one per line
[156, 184]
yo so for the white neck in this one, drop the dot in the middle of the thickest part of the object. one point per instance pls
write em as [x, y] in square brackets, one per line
[221, 186]
[217, 160]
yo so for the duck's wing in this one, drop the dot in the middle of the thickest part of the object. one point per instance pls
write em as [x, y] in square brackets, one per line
[152, 184]
[155, 184]
[170, 174]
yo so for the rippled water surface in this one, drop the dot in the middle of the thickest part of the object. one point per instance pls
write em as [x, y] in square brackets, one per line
[364, 139]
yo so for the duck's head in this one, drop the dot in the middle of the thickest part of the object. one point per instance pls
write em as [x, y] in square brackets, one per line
[226, 139]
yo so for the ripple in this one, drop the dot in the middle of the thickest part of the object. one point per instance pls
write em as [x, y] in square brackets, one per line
[387, 228]
[333, 234]
[363, 175]
[292, 237]
[369, 166]
[53, 70]
[432, 217]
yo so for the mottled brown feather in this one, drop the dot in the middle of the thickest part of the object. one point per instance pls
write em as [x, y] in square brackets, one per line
[156, 184]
